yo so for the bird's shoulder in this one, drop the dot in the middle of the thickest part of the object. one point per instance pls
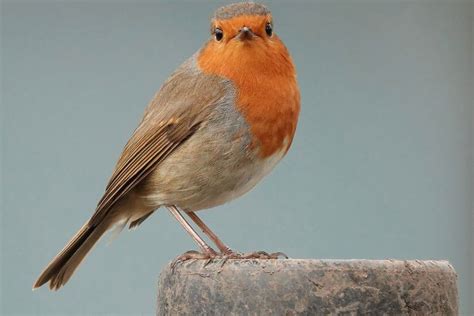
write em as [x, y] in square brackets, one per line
[189, 92]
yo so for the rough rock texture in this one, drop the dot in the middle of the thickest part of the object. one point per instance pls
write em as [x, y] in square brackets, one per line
[308, 287]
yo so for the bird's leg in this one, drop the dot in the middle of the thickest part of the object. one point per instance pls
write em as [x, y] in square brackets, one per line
[225, 250]
[206, 230]
[207, 251]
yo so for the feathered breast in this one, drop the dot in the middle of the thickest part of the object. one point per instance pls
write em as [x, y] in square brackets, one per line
[267, 90]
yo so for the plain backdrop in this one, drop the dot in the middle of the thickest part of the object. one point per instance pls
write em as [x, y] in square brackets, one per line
[381, 166]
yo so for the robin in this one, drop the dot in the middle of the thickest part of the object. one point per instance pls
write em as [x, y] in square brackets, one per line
[218, 125]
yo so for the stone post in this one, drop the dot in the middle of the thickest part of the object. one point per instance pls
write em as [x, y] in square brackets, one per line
[308, 287]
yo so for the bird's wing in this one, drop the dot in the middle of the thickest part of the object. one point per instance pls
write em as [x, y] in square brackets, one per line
[177, 111]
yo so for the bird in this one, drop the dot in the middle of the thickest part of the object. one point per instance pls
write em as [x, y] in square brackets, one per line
[215, 128]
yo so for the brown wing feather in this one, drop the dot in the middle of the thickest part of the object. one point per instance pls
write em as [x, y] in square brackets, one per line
[137, 163]
[177, 111]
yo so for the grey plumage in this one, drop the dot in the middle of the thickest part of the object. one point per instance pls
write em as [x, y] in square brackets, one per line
[237, 9]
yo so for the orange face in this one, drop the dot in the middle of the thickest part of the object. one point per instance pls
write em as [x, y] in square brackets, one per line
[246, 40]
[245, 50]
[260, 26]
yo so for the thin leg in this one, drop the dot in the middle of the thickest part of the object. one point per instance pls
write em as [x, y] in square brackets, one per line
[201, 243]
[206, 230]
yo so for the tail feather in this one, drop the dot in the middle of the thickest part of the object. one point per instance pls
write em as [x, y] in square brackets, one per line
[61, 268]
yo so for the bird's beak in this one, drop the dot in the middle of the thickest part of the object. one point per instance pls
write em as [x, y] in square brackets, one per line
[245, 34]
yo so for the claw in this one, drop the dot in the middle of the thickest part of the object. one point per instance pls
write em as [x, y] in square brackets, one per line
[224, 260]
[189, 255]
[209, 260]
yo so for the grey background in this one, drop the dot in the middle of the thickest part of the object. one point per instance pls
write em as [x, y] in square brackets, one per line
[381, 166]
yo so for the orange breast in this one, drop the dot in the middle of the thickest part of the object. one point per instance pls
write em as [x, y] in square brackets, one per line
[267, 90]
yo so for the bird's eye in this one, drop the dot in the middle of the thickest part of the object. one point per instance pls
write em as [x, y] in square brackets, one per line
[218, 34]
[269, 29]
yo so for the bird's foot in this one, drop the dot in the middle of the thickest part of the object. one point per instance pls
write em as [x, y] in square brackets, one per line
[193, 254]
[229, 254]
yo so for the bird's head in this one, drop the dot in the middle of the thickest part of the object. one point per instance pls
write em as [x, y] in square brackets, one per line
[242, 36]
[242, 24]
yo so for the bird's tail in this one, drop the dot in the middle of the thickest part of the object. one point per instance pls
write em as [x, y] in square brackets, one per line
[61, 268]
